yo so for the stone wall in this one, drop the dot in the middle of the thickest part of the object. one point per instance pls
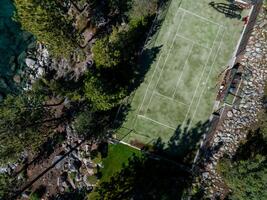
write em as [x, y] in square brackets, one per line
[233, 126]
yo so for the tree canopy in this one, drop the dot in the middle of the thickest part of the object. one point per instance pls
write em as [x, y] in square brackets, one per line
[102, 96]
[25, 122]
[246, 175]
[115, 59]
[48, 21]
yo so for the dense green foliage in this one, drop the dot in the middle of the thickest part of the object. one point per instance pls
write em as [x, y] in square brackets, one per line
[48, 21]
[246, 175]
[117, 51]
[34, 196]
[247, 179]
[82, 122]
[102, 96]
[105, 53]
[25, 122]
[28, 120]
[65, 89]
[115, 57]
[120, 46]
[4, 185]
[116, 54]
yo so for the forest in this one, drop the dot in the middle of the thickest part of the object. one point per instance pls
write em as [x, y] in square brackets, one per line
[30, 118]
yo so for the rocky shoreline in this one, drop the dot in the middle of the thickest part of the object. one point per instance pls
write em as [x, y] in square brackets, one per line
[24, 60]
[14, 44]
[233, 127]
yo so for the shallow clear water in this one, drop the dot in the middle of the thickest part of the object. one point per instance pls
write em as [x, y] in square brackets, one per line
[13, 43]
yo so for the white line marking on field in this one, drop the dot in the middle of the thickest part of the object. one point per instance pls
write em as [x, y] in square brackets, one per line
[147, 89]
[206, 81]
[166, 58]
[165, 61]
[201, 76]
[169, 98]
[206, 47]
[200, 16]
[141, 106]
[127, 144]
[180, 77]
[156, 122]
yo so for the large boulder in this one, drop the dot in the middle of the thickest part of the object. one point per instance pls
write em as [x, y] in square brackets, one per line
[30, 62]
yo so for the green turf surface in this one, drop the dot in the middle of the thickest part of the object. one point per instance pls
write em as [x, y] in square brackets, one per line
[196, 43]
[118, 154]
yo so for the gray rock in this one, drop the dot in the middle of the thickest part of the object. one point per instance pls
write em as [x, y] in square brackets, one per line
[230, 114]
[30, 62]
[3, 170]
[56, 159]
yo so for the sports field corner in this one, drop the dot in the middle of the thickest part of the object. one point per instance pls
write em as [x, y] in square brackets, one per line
[195, 44]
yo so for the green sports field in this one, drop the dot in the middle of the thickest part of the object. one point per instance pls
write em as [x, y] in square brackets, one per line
[196, 43]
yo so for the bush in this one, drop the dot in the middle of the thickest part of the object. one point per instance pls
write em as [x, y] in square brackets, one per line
[101, 94]
[246, 174]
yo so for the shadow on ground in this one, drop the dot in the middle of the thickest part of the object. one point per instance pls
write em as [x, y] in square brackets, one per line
[229, 10]
[162, 172]
[145, 178]
[146, 59]
[183, 144]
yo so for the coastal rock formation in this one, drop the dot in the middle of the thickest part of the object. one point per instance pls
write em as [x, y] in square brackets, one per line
[39, 62]
[14, 43]
[24, 60]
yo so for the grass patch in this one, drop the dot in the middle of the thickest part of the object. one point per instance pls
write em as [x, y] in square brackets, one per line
[118, 156]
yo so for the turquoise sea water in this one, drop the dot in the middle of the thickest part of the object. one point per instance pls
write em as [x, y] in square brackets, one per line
[13, 43]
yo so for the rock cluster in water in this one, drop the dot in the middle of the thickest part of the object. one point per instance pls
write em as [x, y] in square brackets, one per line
[14, 43]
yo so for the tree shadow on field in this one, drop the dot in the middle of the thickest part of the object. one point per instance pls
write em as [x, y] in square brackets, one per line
[145, 61]
[147, 58]
[133, 75]
[162, 172]
[229, 10]
[183, 144]
[145, 178]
